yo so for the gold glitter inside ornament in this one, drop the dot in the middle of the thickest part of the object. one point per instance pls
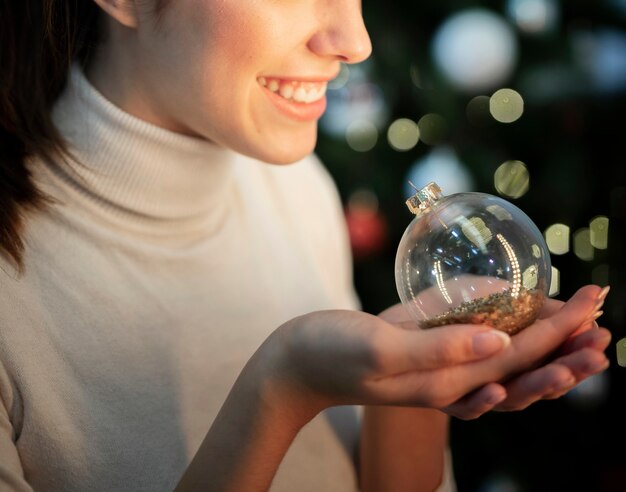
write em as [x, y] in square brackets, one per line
[471, 258]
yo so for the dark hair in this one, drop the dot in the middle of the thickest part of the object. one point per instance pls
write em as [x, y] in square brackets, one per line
[39, 40]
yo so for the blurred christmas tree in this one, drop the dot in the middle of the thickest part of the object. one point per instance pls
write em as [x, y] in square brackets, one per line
[521, 98]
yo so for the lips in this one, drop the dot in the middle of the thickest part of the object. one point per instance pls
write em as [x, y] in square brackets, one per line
[299, 100]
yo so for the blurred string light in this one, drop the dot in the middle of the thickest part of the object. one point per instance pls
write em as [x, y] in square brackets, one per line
[500, 482]
[475, 49]
[477, 110]
[341, 79]
[433, 128]
[618, 5]
[583, 248]
[557, 238]
[506, 105]
[620, 348]
[419, 80]
[361, 135]
[403, 134]
[356, 99]
[512, 179]
[367, 227]
[555, 282]
[599, 232]
[533, 16]
[443, 166]
[601, 54]
[590, 392]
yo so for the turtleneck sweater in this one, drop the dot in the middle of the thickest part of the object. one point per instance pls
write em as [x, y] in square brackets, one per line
[160, 266]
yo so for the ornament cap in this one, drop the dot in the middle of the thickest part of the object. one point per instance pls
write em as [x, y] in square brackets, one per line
[423, 198]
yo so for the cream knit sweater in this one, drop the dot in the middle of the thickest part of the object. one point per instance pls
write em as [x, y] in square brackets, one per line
[164, 264]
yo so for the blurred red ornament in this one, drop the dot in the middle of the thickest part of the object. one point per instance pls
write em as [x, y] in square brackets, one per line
[367, 229]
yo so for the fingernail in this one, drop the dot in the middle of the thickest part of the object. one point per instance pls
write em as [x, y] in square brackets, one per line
[603, 293]
[599, 305]
[596, 315]
[489, 342]
[593, 317]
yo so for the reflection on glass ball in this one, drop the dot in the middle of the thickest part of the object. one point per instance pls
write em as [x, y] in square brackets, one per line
[471, 258]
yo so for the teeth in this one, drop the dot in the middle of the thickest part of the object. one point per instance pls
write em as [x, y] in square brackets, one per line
[302, 92]
[300, 95]
[286, 91]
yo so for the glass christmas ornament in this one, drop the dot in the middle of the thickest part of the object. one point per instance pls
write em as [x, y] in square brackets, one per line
[471, 258]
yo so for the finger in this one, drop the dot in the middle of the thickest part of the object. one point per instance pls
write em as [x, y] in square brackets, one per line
[550, 307]
[396, 314]
[553, 380]
[535, 385]
[547, 334]
[477, 403]
[527, 350]
[596, 338]
[437, 348]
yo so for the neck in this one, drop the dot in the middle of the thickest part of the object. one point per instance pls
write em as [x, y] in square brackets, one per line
[134, 170]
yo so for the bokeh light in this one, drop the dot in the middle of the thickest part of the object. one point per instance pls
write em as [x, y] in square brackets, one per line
[403, 134]
[367, 226]
[357, 99]
[555, 282]
[600, 54]
[511, 179]
[432, 128]
[620, 347]
[506, 105]
[477, 111]
[341, 79]
[361, 135]
[557, 238]
[599, 232]
[590, 392]
[441, 165]
[500, 482]
[582, 244]
[475, 49]
[534, 16]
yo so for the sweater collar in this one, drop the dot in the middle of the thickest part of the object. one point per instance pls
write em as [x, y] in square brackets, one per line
[134, 169]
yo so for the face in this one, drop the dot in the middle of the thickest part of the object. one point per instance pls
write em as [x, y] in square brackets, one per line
[246, 74]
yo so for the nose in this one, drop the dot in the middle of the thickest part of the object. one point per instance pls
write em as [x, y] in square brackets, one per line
[342, 33]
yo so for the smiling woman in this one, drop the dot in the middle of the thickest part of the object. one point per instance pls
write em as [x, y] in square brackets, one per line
[178, 313]
[176, 84]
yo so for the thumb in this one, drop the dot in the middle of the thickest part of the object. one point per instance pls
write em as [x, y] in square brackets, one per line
[446, 346]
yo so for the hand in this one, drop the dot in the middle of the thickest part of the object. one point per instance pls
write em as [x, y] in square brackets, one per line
[580, 356]
[332, 358]
[343, 357]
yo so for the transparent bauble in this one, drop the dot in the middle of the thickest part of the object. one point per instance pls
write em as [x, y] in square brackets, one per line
[471, 258]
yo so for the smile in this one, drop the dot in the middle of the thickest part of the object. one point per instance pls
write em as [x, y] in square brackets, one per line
[294, 90]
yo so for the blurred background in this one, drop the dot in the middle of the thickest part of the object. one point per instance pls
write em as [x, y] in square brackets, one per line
[526, 100]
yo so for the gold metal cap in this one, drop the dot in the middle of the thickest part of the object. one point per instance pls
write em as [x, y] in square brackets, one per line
[424, 198]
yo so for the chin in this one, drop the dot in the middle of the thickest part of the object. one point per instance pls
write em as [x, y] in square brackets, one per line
[281, 154]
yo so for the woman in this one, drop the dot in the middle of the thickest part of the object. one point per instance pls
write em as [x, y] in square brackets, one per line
[176, 311]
